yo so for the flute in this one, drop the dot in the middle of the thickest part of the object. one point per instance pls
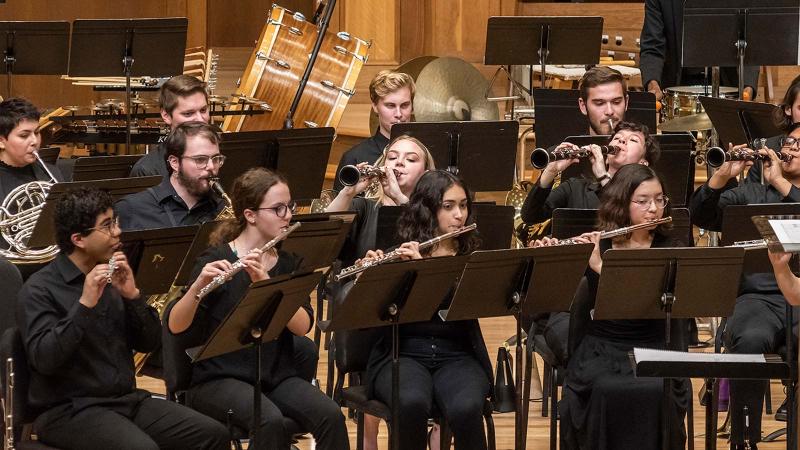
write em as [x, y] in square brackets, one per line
[620, 231]
[395, 254]
[112, 266]
[237, 266]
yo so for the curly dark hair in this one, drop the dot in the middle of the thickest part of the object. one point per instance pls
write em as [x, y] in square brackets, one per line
[615, 202]
[418, 220]
[15, 110]
[652, 152]
[76, 212]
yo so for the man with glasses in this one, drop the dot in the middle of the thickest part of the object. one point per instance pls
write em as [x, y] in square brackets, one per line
[81, 318]
[759, 318]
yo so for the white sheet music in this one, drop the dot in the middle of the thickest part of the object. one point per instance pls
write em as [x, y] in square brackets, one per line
[787, 231]
[649, 354]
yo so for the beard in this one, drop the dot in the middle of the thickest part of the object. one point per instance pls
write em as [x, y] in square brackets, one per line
[194, 186]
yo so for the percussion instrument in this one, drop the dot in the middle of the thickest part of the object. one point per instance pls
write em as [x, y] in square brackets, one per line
[682, 101]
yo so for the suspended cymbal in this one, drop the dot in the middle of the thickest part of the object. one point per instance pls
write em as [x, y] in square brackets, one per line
[452, 89]
[695, 122]
[413, 68]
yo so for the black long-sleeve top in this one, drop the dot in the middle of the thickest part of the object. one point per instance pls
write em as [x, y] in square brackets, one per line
[161, 207]
[153, 163]
[368, 151]
[78, 354]
[573, 193]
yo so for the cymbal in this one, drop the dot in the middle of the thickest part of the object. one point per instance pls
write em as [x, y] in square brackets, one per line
[695, 122]
[452, 89]
[413, 68]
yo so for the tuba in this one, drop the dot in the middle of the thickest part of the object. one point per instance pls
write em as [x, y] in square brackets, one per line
[18, 214]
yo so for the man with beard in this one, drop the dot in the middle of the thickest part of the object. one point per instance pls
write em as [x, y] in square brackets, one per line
[603, 97]
[184, 197]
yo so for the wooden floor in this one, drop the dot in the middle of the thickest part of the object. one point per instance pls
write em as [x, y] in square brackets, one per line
[495, 332]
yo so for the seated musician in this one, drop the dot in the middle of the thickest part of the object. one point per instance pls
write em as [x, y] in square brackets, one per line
[604, 405]
[263, 206]
[80, 320]
[183, 98]
[442, 362]
[787, 118]
[758, 319]
[392, 96]
[788, 282]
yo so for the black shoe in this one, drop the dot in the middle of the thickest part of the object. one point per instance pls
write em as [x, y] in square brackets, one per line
[780, 414]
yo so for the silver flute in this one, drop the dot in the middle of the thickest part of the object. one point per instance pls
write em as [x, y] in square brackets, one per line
[239, 265]
[620, 231]
[112, 266]
[8, 406]
[395, 254]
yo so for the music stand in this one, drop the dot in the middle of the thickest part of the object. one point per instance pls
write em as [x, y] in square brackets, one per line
[199, 244]
[495, 225]
[156, 255]
[109, 47]
[571, 222]
[260, 316]
[300, 154]
[737, 225]
[50, 154]
[744, 34]
[523, 40]
[522, 284]
[482, 153]
[391, 294]
[44, 231]
[318, 242]
[103, 167]
[667, 283]
[740, 122]
[34, 48]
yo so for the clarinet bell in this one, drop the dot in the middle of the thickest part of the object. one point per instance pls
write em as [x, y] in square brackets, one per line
[504, 392]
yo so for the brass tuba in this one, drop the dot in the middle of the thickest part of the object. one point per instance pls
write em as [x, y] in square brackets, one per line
[18, 214]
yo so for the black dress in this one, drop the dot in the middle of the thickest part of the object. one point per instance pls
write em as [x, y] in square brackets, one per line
[604, 406]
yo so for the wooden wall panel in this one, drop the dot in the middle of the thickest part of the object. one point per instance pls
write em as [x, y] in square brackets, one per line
[376, 21]
[239, 23]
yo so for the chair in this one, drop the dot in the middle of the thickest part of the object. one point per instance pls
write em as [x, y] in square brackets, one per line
[11, 280]
[11, 347]
[352, 354]
[178, 374]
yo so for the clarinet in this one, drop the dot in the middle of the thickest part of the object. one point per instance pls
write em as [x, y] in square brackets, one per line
[239, 265]
[393, 255]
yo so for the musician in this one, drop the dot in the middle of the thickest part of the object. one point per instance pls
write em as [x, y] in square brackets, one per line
[183, 98]
[79, 332]
[392, 96]
[758, 320]
[603, 97]
[788, 283]
[442, 362]
[660, 53]
[787, 117]
[263, 206]
[604, 405]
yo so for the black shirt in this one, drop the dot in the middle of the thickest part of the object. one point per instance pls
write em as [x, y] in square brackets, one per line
[11, 177]
[368, 151]
[161, 207]
[153, 163]
[78, 354]
[276, 356]
[574, 193]
[363, 232]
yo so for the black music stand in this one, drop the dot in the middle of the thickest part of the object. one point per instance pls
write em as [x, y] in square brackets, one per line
[50, 154]
[740, 122]
[523, 40]
[744, 34]
[522, 284]
[259, 317]
[34, 48]
[391, 294]
[482, 153]
[44, 233]
[128, 47]
[199, 244]
[156, 255]
[300, 154]
[737, 226]
[495, 225]
[320, 239]
[667, 283]
[103, 167]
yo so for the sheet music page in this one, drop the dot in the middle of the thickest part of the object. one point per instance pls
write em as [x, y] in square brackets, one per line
[649, 354]
[787, 231]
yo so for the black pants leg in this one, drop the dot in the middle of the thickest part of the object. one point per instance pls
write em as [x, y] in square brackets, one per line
[306, 357]
[757, 326]
[314, 411]
[460, 390]
[416, 400]
[556, 335]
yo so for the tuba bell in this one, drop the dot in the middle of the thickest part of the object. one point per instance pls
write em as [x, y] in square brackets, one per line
[18, 215]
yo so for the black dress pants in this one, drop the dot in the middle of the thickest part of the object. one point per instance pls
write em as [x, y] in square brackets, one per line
[293, 397]
[132, 422]
[459, 388]
[306, 357]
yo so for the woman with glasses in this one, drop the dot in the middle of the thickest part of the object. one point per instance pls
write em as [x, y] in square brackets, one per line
[604, 405]
[786, 117]
[263, 207]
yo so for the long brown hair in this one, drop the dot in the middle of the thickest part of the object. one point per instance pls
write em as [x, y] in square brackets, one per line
[615, 202]
[247, 193]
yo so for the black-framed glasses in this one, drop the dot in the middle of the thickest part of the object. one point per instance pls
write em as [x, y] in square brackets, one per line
[201, 161]
[106, 228]
[789, 141]
[644, 205]
[282, 209]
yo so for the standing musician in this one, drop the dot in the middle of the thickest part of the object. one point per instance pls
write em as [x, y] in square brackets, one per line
[445, 362]
[80, 318]
[263, 206]
[392, 96]
[183, 98]
[758, 321]
[604, 405]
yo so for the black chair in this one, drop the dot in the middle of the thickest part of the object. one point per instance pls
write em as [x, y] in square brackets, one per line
[11, 347]
[11, 280]
[178, 374]
[352, 354]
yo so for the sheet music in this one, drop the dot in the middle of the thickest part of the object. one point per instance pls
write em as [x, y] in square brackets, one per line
[649, 354]
[787, 231]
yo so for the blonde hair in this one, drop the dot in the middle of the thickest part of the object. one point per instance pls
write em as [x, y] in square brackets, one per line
[388, 81]
[430, 164]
